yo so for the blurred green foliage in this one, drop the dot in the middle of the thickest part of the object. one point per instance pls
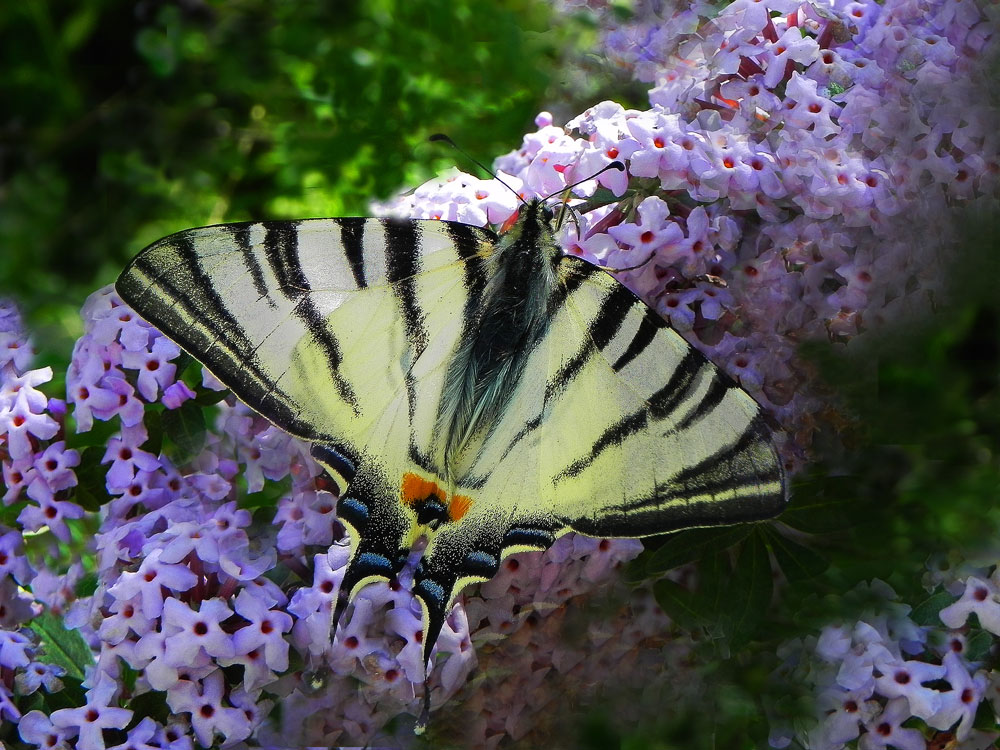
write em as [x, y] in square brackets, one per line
[124, 121]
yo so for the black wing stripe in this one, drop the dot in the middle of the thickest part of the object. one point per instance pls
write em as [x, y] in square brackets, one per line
[601, 330]
[651, 323]
[403, 263]
[717, 391]
[281, 242]
[241, 236]
[729, 468]
[660, 406]
[216, 328]
[352, 231]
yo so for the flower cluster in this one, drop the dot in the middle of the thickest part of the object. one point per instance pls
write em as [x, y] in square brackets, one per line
[887, 681]
[785, 183]
[221, 609]
[788, 182]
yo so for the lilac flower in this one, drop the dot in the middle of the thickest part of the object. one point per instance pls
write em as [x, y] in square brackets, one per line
[980, 597]
[91, 719]
[50, 513]
[209, 715]
[13, 563]
[886, 730]
[176, 394]
[141, 737]
[55, 465]
[153, 654]
[36, 675]
[149, 581]
[127, 615]
[905, 679]
[654, 231]
[188, 631]
[155, 369]
[265, 628]
[23, 419]
[959, 704]
[126, 459]
[37, 729]
[845, 711]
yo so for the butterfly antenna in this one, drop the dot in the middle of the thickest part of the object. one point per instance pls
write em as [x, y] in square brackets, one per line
[564, 206]
[442, 138]
[613, 165]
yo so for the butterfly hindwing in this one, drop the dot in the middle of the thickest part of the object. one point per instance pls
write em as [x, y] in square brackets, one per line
[618, 428]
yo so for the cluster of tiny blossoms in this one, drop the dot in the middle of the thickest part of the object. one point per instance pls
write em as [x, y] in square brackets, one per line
[221, 613]
[887, 681]
[789, 181]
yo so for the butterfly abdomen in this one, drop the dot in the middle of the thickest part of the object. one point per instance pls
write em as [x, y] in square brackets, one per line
[510, 320]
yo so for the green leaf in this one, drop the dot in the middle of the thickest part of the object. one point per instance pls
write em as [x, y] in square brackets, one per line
[61, 646]
[91, 476]
[185, 427]
[9, 514]
[208, 397]
[822, 510]
[749, 592]
[797, 561]
[153, 420]
[978, 646]
[86, 586]
[928, 611]
[678, 603]
[685, 546]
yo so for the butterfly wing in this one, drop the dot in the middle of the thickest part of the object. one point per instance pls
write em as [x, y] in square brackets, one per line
[618, 428]
[325, 327]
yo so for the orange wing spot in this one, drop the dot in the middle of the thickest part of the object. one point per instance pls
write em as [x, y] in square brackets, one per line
[459, 506]
[416, 488]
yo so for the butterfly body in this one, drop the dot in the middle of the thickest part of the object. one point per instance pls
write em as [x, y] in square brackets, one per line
[487, 393]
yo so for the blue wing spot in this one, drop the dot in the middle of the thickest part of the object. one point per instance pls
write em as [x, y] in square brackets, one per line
[353, 511]
[481, 563]
[432, 592]
[539, 538]
[371, 562]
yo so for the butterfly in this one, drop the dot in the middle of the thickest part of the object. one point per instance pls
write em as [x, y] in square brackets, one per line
[487, 392]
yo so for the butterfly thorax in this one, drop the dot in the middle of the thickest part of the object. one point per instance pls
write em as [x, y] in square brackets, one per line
[507, 323]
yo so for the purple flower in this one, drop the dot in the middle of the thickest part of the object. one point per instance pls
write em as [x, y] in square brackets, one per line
[209, 715]
[37, 729]
[886, 730]
[791, 47]
[37, 675]
[959, 704]
[126, 459]
[98, 714]
[23, 419]
[176, 394]
[845, 711]
[655, 232]
[50, 513]
[980, 597]
[13, 563]
[155, 369]
[905, 679]
[188, 631]
[150, 580]
[127, 615]
[55, 465]
[141, 737]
